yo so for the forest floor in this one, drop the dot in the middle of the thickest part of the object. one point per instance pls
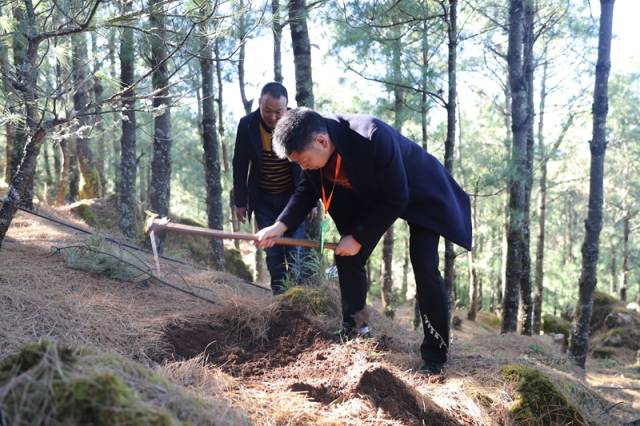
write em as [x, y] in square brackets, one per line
[274, 359]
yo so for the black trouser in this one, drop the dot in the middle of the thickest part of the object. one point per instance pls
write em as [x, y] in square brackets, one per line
[280, 259]
[431, 293]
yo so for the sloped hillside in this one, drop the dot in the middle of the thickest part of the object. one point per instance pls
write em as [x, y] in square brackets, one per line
[243, 355]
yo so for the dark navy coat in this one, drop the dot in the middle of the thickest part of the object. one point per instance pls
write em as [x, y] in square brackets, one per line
[400, 178]
[248, 162]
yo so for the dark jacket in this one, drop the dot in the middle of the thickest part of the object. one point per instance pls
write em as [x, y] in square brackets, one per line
[248, 162]
[396, 174]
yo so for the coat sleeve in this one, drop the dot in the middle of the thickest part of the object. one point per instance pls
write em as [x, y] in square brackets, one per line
[391, 192]
[301, 202]
[241, 165]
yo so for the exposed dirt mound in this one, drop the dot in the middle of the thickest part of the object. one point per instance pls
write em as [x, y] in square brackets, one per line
[399, 400]
[238, 351]
[317, 393]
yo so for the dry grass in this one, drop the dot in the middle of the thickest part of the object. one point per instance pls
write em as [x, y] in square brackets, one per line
[40, 297]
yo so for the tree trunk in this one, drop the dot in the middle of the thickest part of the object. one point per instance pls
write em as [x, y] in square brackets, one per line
[387, 278]
[100, 145]
[473, 273]
[613, 271]
[525, 310]
[276, 27]
[128, 157]
[624, 271]
[518, 166]
[424, 99]
[536, 323]
[9, 127]
[235, 224]
[161, 162]
[579, 341]
[115, 142]
[242, 30]
[24, 60]
[218, 62]
[27, 168]
[449, 144]
[211, 156]
[301, 52]
[92, 187]
[65, 173]
[405, 271]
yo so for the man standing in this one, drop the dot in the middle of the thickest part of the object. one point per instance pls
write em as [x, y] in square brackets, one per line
[368, 175]
[262, 182]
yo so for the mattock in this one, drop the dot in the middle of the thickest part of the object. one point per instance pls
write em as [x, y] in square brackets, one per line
[155, 224]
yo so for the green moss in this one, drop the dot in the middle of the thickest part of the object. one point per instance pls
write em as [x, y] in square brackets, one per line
[484, 400]
[31, 355]
[603, 305]
[234, 264]
[604, 352]
[556, 325]
[66, 385]
[628, 337]
[85, 213]
[316, 300]
[104, 399]
[600, 298]
[539, 402]
[92, 187]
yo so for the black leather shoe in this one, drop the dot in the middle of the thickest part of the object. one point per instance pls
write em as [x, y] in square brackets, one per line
[431, 368]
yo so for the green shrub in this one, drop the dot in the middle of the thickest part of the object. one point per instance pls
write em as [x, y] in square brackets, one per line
[101, 257]
[318, 300]
[539, 402]
[604, 352]
[556, 325]
[51, 383]
[85, 213]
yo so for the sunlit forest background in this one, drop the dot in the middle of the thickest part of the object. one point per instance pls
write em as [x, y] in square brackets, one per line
[84, 71]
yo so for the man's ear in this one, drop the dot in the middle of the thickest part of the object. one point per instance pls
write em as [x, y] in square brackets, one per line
[323, 140]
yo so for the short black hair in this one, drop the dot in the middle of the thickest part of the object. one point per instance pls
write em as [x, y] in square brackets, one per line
[275, 90]
[295, 131]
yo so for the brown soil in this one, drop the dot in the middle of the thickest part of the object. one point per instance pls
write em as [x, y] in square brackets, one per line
[400, 400]
[289, 334]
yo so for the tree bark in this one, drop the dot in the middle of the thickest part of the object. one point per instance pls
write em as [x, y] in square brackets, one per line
[301, 52]
[536, 323]
[449, 144]
[473, 273]
[115, 142]
[387, 278]
[9, 126]
[517, 183]
[579, 340]
[242, 29]
[624, 270]
[405, 271]
[128, 157]
[525, 310]
[160, 193]
[613, 270]
[92, 187]
[218, 62]
[211, 156]
[21, 178]
[276, 27]
[98, 90]
[25, 53]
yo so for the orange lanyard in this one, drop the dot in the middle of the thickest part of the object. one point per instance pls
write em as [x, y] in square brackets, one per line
[326, 202]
